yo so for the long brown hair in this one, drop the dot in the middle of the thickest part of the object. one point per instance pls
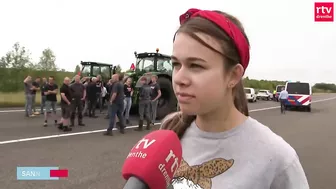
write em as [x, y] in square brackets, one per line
[180, 122]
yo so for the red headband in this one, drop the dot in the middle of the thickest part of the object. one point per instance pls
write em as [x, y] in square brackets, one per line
[225, 24]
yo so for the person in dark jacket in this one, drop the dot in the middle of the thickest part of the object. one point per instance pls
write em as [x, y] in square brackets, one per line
[91, 92]
[144, 103]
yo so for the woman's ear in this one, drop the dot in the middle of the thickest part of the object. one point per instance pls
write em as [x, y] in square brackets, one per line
[236, 75]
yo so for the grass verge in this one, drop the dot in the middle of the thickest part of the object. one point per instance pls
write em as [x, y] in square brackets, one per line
[17, 99]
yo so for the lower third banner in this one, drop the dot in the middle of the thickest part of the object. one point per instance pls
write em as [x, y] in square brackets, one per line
[40, 173]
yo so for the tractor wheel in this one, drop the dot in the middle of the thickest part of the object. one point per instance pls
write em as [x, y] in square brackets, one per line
[167, 102]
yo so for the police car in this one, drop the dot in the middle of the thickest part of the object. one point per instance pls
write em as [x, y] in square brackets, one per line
[299, 95]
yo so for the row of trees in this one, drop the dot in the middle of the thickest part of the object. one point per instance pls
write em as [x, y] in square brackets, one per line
[20, 58]
[325, 87]
[17, 64]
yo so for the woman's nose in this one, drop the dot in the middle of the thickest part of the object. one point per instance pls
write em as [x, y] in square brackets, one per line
[180, 77]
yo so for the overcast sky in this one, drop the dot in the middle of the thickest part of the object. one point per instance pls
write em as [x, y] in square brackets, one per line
[286, 43]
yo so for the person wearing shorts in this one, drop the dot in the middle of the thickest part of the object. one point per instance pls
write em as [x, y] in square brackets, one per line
[50, 92]
[66, 96]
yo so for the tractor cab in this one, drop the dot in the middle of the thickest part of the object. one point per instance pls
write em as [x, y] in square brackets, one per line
[147, 64]
[93, 69]
[155, 63]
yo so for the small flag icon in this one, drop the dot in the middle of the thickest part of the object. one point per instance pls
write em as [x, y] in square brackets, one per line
[132, 67]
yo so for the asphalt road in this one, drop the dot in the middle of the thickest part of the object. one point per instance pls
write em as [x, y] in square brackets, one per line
[94, 161]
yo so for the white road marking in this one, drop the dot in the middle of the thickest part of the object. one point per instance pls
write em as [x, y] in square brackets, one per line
[129, 127]
[62, 135]
[13, 111]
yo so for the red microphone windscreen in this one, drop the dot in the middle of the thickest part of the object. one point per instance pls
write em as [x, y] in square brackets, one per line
[154, 159]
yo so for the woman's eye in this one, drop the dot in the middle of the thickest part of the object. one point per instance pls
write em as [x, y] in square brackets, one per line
[196, 66]
[176, 64]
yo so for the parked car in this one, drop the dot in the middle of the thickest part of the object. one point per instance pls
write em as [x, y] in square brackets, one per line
[250, 94]
[264, 95]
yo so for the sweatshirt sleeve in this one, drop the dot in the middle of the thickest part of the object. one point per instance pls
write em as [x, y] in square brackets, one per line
[292, 177]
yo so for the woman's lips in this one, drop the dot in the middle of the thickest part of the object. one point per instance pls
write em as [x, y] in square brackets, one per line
[184, 97]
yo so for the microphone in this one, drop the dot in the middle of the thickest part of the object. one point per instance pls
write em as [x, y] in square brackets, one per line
[153, 161]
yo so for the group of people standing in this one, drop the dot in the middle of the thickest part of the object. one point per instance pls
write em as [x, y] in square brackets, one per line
[71, 100]
[81, 97]
[120, 102]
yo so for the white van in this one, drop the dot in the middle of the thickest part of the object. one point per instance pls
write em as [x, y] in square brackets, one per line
[299, 95]
[251, 95]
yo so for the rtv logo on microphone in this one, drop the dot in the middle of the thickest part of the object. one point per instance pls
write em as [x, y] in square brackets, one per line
[171, 163]
[142, 144]
[324, 11]
[154, 159]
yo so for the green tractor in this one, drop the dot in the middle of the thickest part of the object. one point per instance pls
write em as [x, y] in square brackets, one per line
[93, 69]
[158, 64]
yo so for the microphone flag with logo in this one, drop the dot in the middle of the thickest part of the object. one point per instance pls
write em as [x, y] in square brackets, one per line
[154, 159]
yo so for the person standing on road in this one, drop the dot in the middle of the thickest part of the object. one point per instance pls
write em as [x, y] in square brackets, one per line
[116, 104]
[78, 96]
[36, 87]
[100, 85]
[91, 92]
[144, 103]
[219, 139]
[155, 95]
[28, 88]
[51, 90]
[43, 97]
[128, 90]
[66, 96]
[109, 87]
[86, 81]
[283, 96]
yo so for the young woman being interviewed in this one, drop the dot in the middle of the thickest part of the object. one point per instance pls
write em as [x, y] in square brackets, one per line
[223, 148]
